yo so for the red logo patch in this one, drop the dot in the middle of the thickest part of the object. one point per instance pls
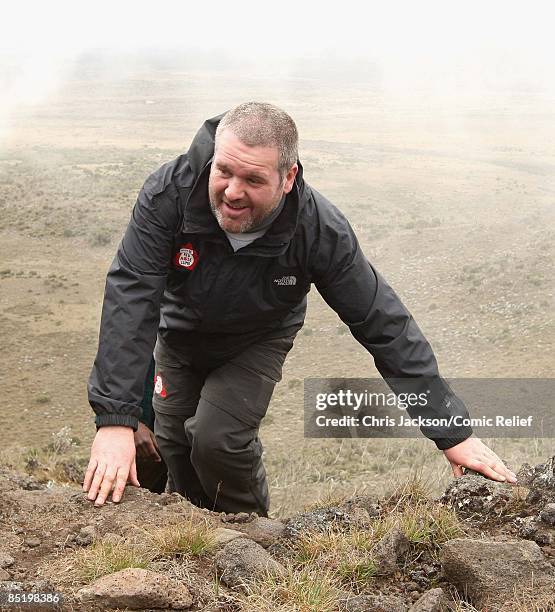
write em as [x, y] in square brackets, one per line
[186, 257]
[159, 388]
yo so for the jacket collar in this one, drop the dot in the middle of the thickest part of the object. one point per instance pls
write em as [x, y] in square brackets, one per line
[198, 217]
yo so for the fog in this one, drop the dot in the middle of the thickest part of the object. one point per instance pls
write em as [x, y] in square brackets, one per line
[402, 47]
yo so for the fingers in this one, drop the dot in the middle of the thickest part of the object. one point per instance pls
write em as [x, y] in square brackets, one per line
[133, 480]
[121, 481]
[105, 488]
[89, 474]
[493, 462]
[96, 481]
[152, 451]
[495, 470]
[104, 481]
[457, 470]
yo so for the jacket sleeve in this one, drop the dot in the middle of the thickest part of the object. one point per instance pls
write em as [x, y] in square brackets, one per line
[380, 322]
[131, 310]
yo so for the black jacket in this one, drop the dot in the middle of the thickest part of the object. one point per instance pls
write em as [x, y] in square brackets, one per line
[175, 272]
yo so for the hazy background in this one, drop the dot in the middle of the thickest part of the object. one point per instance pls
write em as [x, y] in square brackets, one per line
[431, 126]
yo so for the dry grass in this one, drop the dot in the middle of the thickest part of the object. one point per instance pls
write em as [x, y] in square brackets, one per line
[308, 589]
[523, 600]
[145, 548]
[193, 537]
[103, 558]
[347, 556]
[55, 461]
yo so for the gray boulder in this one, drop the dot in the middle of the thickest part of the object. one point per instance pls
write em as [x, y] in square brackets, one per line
[389, 551]
[476, 495]
[242, 561]
[541, 476]
[319, 520]
[222, 536]
[136, 589]
[5, 560]
[489, 571]
[434, 600]
[547, 515]
[265, 531]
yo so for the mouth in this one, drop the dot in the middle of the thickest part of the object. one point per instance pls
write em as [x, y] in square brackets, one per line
[234, 210]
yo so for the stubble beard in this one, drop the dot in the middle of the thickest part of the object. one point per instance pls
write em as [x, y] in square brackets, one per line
[247, 225]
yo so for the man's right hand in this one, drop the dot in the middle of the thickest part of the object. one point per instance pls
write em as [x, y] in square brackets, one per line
[111, 465]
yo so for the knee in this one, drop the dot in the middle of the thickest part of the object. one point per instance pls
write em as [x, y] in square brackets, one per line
[214, 450]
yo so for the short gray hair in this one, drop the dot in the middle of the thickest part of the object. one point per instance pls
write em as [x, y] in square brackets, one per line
[259, 124]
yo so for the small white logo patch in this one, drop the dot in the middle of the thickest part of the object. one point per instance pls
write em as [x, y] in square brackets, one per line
[186, 258]
[286, 280]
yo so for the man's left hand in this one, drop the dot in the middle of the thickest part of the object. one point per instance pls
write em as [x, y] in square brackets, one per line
[145, 443]
[472, 453]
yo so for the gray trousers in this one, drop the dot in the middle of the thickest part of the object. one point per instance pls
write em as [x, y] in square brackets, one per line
[207, 418]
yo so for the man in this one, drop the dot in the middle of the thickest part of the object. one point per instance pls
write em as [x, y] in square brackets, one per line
[221, 250]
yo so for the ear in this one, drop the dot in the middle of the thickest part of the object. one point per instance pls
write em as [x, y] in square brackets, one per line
[290, 178]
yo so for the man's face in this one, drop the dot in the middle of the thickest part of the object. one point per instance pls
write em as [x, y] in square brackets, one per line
[244, 185]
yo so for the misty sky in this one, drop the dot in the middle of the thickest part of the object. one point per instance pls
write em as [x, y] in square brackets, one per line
[476, 42]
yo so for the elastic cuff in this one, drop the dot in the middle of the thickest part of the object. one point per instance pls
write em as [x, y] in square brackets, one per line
[446, 443]
[125, 420]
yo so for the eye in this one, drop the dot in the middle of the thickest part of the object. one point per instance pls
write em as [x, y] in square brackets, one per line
[223, 171]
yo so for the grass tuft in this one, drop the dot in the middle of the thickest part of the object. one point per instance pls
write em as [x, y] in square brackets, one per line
[192, 537]
[103, 558]
[308, 589]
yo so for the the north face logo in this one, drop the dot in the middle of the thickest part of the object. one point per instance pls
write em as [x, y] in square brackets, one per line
[286, 280]
[186, 257]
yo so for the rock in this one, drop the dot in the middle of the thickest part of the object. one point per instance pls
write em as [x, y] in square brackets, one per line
[366, 502]
[373, 603]
[541, 476]
[265, 531]
[243, 560]
[4, 575]
[420, 578]
[222, 536]
[316, 520]
[490, 570]
[547, 515]
[136, 588]
[239, 517]
[434, 600]
[6, 560]
[533, 497]
[86, 535]
[360, 517]
[543, 537]
[528, 527]
[32, 542]
[389, 550]
[476, 495]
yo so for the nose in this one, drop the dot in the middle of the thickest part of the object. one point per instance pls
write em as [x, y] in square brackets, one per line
[234, 189]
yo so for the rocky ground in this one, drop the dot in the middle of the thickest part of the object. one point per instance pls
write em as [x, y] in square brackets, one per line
[481, 546]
